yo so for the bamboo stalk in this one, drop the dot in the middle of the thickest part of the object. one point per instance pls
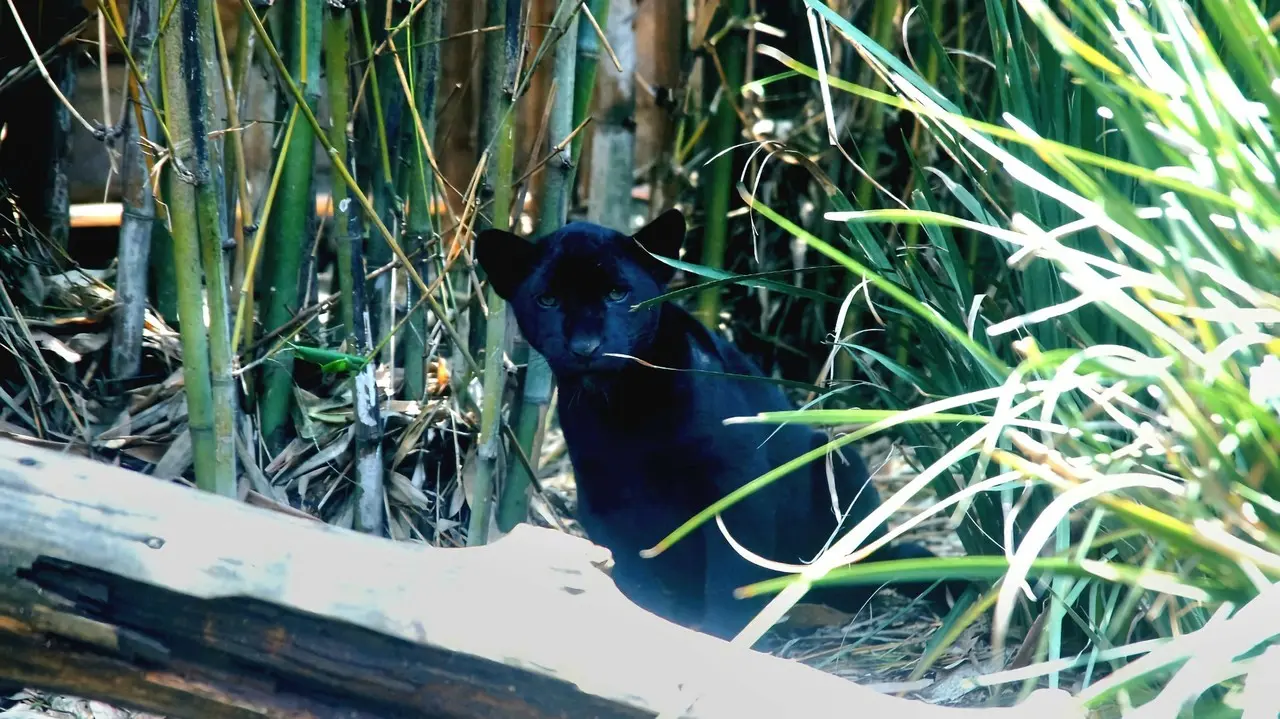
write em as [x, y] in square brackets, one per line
[584, 83]
[385, 137]
[421, 195]
[559, 171]
[531, 410]
[493, 111]
[660, 30]
[192, 110]
[58, 198]
[718, 186]
[337, 48]
[138, 203]
[203, 74]
[285, 238]
[500, 73]
[369, 515]
[162, 280]
[180, 200]
[613, 146]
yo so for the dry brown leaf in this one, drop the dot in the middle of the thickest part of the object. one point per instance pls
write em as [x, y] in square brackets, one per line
[346, 515]
[401, 489]
[466, 480]
[86, 342]
[28, 713]
[304, 481]
[145, 397]
[56, 346]
[150, 452]
[178, 407]
[176, 458]
[261, 500]
[409, 440]
[13, 429]
[330, 453]
[446, 525]
[806, 615]
[75, 448]
[296, 448]
[398, 527]
[121, 427]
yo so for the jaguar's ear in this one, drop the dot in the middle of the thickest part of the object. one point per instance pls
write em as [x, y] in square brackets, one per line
[663, 237]
[506, 258]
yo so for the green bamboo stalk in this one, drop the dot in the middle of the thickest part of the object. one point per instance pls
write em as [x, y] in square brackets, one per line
[375, 94]
[493, 110]
[139, 204]
[427, 29]
[584, 83]
[241, 59]
[180, 200]
[531, 411]
[162, 282]
[559, 171]
[294, 203]
[373, 21]
[500, 70]
[369, 516]
[719, 186]
[337, 48]
[201, 67]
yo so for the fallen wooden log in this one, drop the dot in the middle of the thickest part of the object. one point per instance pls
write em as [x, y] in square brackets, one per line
[124, 588]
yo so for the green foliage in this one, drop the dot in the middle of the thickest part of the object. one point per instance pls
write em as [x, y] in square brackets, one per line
[1098, 282]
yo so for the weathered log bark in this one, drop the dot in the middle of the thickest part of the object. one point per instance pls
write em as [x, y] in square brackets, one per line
[136, 591]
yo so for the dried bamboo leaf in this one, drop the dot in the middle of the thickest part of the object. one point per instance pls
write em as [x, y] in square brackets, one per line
[286, 457]
[177, 458]
[56, 346]
[401, 490]
[87, 342]
[328, 454]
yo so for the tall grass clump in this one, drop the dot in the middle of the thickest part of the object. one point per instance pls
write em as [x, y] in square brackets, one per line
[1104, 401]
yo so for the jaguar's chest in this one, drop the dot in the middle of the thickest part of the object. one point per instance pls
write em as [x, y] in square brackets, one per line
[675, 457]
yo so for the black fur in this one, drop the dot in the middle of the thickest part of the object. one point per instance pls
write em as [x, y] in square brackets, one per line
[649, 446]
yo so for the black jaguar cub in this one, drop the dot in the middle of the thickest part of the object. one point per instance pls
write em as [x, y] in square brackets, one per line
[649, 447]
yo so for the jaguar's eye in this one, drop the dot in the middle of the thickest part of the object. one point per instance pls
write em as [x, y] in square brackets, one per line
[617, 294]
[548, 300]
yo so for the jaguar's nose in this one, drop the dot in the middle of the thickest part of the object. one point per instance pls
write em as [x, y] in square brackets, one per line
[585, 348]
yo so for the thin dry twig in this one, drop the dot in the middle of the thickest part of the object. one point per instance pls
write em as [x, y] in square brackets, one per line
[600, 34]
[559, 148]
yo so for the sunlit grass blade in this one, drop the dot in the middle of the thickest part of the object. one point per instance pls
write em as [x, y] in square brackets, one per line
[717, 277]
